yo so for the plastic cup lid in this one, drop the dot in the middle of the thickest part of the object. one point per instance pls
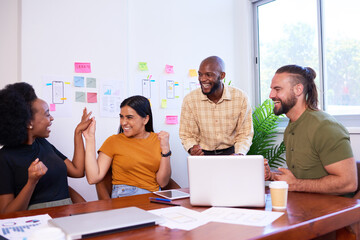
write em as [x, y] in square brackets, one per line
[278, 184]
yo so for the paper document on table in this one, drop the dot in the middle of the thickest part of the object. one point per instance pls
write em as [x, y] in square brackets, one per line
[180, 218]
[250, 217]
[22, 227]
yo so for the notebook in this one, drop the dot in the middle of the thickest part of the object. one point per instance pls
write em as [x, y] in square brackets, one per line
[228, 181]
[104, 222]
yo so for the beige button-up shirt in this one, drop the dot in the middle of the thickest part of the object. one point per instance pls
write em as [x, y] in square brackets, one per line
[216, 126]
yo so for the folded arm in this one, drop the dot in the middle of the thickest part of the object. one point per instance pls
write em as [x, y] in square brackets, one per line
[342, 179]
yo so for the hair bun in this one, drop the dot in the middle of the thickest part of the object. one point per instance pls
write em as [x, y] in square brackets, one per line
[311, 72]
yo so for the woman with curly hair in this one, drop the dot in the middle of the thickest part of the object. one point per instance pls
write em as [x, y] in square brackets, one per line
[33, 173]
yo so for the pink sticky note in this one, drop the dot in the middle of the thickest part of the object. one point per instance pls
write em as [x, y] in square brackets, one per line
[169, 68]
[82, 67]
[91, 97]
[171, 119]
[52, 107]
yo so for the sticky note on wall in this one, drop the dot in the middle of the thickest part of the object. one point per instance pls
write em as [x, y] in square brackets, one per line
[82, 67]
[143, 66]
[163, 103]
[91, 82]
[171, 119]
[79, 81]
[80, 97]
[52, 107]
[169, 68]
[92, 97]
[192, 73]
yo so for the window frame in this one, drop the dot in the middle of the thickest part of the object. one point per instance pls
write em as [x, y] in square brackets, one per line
[352, 121]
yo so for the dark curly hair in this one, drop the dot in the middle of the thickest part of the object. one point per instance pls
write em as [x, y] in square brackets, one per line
[15, 112]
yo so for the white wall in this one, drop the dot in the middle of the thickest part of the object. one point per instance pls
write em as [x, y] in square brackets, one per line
[114, 36]
[9, 49]
[55, 34]
[180, 33]
[48, 36]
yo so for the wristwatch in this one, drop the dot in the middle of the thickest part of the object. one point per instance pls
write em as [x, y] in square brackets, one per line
[167, 154]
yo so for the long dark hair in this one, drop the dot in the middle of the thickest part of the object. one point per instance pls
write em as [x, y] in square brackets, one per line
[16, 113]
[306, 76]
[142, 107]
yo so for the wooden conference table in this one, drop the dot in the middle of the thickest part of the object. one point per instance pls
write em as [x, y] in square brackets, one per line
[308, 216]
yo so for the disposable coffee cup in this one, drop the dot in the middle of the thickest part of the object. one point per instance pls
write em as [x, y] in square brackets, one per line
[47, 233]
[279, 193]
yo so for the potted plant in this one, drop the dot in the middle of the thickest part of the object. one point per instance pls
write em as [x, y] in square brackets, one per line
[265, 123]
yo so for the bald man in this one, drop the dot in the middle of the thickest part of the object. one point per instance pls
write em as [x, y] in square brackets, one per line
[215, 119]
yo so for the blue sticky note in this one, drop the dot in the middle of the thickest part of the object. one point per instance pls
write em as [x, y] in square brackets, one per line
[79, 81]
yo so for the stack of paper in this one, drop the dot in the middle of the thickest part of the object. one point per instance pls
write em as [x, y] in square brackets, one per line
[186, 219]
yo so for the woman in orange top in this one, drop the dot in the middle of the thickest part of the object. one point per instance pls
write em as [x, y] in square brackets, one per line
[140, 158]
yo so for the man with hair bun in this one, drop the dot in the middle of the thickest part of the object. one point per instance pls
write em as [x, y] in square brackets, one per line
[318, 152]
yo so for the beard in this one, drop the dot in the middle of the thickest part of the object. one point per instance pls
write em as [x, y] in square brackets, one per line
[214, 87]
[285, 105]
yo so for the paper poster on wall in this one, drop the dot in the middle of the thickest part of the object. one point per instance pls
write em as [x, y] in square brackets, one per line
[171, 90]
[57, 92]
[112, 93]
[147, 86]
[190, 85]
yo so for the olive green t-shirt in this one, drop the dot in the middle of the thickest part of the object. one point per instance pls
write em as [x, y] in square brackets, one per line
[313, 141]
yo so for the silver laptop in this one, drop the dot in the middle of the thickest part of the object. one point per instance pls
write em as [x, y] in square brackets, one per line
[229, 181]
[104, 222]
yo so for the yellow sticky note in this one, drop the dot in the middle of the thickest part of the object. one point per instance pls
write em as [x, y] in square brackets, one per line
[143, 66]
[193, 73]
[163, 103]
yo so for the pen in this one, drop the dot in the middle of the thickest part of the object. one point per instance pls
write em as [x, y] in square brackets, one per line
[160, 199]
[167, 203]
